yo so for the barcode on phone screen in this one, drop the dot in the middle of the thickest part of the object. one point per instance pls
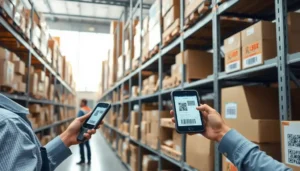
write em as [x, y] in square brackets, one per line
[92, 121]
[191, 103]
[188, 121]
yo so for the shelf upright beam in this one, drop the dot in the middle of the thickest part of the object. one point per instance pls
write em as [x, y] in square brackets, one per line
[140, 154]
[29, 58]
[131, 36]
[282, 60]
[216, 70]
[182, 49]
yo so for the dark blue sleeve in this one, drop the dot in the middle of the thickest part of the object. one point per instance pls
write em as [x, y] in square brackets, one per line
[80, 113]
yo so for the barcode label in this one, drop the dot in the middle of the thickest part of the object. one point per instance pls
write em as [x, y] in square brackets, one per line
[182, 107]
[231, 111]
[235, 66]
[292, 143]
[188, 121]
[191, 103]
[252, 61]
[92, 122]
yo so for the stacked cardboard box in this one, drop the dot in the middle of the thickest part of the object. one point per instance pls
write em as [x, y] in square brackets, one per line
[200, 152]
[150, 84]
[155, 23]
[134, 157]
[18, 84]
[134, 125]
[6, 68]
[150, 162]
[171, 142]
[171, 17]
[137, 46]
[125, 151]
[145, 34]
[54, 49]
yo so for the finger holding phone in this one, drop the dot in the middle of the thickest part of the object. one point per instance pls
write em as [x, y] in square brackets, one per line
[214, 128]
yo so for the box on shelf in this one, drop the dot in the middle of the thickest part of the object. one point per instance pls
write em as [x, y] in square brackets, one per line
[198, 64]
[135, 91]
[193, 5]
[35, 108]
[33, 88]
[290, 144]
[177, 141]
[145, 26]
[13, 57]
[4, 54]
[154, 14]
[233, 53]
[120, 67]
[6, 72]
[41, 75]
[200, 152]
[171, 16]
[259, 44]
[154, 36]
[240, 107]
[150, 162]
[19, 67]
[167, 4]
[137, 45]
[145, 48]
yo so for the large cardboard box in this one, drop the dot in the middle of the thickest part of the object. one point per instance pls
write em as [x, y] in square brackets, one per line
[293, 22]
[270, 149]
[171, 16]
[233, 53]
[19, 67]
[198, 64]
[259, 44]
[200, 152]
[154, 14]
[254, 106]
[291, 144]
[6, 72]
[4, 54]
[167, 4]
[154, 36]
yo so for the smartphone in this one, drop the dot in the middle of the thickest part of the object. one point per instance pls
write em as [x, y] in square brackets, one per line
[94, 120]
[188, 118]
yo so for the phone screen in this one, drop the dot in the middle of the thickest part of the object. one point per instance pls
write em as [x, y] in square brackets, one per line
[186, 112]
[96, 115]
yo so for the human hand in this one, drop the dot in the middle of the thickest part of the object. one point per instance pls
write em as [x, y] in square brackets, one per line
[215, 127]
[69, 137]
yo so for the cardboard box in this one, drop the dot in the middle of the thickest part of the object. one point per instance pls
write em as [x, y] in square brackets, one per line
[134, 164]
[156, 115]
[293, 22]
[137, 46]
[150, 162]
[200, 152]
[177, 141]
[233, 53]
[4, 54]
[144, 131]
[154, 14]
[154, 36]
[21, 87]
[33, 83]
[145, 26]
[240, 107]
[167, 122]
[191, 6]
[19, 67]
[290, 144]
[14, 57]
[51, 92]
[145, 47]
[35, 108]
[171, 16]
[120, 67]
[41, 75]
[167, 4]
[259, 44]
[198, 64]
[6, 72]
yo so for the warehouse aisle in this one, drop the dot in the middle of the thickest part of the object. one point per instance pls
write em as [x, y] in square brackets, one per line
[103, 158]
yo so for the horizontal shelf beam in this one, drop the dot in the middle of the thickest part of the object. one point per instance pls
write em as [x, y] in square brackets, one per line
[53, 125]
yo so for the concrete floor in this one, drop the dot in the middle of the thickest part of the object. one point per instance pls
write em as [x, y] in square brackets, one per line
[103, 158]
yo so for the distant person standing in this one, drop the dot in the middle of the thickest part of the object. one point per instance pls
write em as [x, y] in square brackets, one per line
[84, 109]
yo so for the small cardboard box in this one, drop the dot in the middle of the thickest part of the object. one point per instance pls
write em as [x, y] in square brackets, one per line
[144, 131]
[150, 162]
[290, 144]
[171, 16]
[154, 129]
[198, 64]
[6, 72]
[35, 108]
[41, 75]
[4, 54]
[156, 115]
[240, 107]
[259, 44]
[200, 152]
[233, 53]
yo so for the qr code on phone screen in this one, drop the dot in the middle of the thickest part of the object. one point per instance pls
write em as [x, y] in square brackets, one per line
[293, 140]
[182, 107]
[294, 157]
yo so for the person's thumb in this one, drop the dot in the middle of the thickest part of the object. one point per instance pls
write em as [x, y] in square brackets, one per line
[84, 117]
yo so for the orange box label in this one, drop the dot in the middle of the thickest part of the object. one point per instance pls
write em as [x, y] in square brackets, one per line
[252, 49]
[233, 56]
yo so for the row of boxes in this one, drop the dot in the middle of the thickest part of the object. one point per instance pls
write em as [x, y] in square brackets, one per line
[252, 46]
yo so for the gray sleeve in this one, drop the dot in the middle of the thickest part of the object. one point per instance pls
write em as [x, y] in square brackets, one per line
[18, 150]
[246, 155]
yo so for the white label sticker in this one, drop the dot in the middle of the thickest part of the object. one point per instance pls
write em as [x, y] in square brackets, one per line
[230, 40]
[177, 148]
[234, 66]
[252, 61]
[292, 144]
[145, 161]
[231, 111]
[250, 31]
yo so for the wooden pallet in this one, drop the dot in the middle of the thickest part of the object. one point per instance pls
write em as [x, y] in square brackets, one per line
[171, 33]
[197, 14]
[171, 152]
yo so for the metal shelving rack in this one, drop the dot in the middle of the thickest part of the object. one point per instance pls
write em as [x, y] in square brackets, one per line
[25, 50]
[283, 64]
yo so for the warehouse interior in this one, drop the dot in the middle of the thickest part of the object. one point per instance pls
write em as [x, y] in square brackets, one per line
[241, 56]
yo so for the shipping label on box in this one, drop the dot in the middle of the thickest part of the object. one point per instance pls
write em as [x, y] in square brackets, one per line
[231, 110]
[233, 61]
[291, 144]
[252, 55]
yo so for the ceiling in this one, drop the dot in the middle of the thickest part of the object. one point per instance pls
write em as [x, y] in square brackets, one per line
[95, 11]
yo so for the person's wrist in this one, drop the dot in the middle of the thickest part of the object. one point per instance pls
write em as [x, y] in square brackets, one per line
[66, 139]
[223, 131]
